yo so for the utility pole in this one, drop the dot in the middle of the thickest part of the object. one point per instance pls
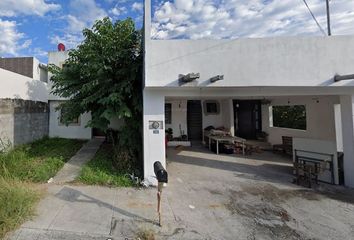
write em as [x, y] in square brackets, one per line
[328, 19]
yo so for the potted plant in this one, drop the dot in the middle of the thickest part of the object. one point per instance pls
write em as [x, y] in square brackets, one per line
[262, 136]
[169, 134]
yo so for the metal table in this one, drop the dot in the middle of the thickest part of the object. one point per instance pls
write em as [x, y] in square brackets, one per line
[230, 139]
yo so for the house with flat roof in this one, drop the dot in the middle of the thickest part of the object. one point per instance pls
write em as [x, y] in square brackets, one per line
[23, 101]
[243, 85]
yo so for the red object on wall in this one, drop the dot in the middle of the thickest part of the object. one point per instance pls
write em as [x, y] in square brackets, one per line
[61, 47]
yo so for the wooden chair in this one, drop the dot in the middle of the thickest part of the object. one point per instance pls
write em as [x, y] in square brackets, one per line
[286, 146]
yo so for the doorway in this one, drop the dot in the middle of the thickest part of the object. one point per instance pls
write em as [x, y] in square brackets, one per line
[97, 133]
[248, 118]
[194, 120]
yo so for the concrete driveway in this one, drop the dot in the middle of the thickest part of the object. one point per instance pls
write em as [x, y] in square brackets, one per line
[208, 197]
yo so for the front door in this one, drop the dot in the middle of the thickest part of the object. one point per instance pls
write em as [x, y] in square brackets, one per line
[247, 118]
[194, 120]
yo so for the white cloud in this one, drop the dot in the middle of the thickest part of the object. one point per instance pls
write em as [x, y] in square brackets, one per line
[197, 19]
[117, 11]
[39, 52]
[82, 14]
[11, 8]
[86, 10]
[11, 41]
[68, 39]
[138, 7]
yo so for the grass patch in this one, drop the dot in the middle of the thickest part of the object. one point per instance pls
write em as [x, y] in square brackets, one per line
[100, 170]
[38, 161]
[145, 234]
[17, 201]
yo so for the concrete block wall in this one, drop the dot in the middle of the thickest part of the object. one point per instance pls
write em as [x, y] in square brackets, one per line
[23, 121]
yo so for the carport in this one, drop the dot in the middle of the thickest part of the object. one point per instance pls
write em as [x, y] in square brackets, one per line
[189, 119]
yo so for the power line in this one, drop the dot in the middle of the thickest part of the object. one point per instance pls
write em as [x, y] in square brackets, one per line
[226, 42]
[314, 18]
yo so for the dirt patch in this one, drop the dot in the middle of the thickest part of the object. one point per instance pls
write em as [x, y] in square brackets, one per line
[261, 209]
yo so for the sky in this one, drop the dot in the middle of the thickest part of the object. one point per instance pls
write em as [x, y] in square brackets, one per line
[34, 27]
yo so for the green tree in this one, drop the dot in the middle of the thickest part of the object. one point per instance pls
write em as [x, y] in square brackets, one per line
[103, 75]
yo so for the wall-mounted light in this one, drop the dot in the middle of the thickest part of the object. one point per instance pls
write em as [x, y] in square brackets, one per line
[217, 78]
[188, 78]
[338, 77]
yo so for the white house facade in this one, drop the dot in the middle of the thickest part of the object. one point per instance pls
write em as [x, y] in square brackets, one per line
[78, 128]
[74, 130]
[235, 84]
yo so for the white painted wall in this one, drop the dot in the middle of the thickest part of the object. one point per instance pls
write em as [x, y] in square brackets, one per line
[179, 117]
[75, 132]
[56, 58]
[38, 72]
[14, 85]
[285, 61]
[213, 120]
[154, 144]
[347, 116]
[319, 117]
[227, 115]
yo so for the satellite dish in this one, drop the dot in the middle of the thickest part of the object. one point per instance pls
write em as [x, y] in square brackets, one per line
[61, 47]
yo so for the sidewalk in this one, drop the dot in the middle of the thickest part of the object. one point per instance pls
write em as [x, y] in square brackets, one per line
[92, 213]
[72, 168]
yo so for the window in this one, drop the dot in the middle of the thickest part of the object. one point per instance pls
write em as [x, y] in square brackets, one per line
[293, 117]
[73, 122]
[61, 64]
[168, 113]
[211, 107]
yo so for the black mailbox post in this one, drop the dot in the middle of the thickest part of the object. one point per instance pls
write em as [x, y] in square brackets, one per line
[160, 172]
[162, 177]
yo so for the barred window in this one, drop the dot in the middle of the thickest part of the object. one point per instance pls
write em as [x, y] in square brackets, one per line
[168, 113]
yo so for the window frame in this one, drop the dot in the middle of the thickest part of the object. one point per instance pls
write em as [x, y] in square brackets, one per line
[272, 120]
[76, 123]
[205, 106]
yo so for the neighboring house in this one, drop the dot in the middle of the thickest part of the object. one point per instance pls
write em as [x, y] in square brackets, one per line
[26, 66]
[76, 129]
[241, 83]
[23, 101]
[27, 107]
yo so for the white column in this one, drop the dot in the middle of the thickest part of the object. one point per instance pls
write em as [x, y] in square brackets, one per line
[154, 139]
[347, 115]
[338, 127]
[231, 116]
